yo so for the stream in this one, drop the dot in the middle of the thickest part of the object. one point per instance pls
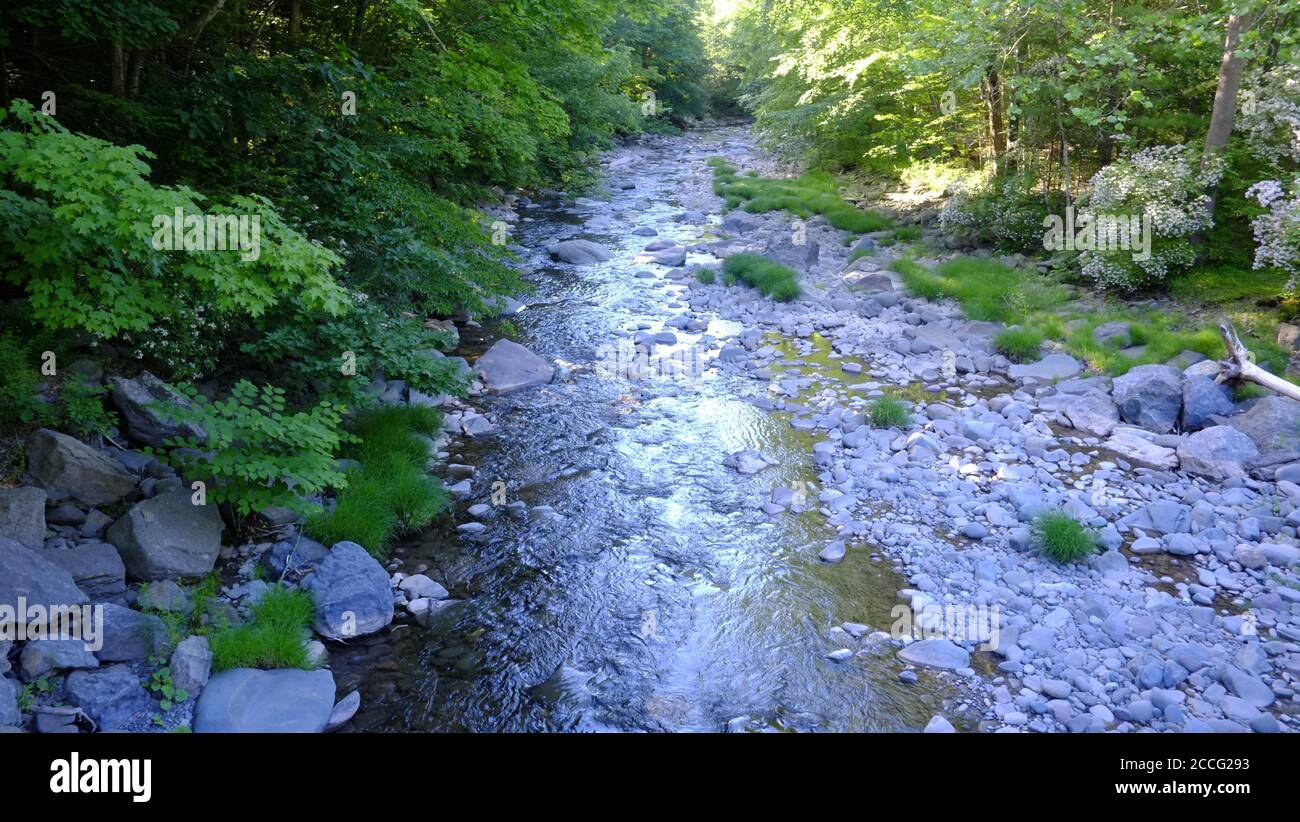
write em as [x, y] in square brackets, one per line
[639, 587]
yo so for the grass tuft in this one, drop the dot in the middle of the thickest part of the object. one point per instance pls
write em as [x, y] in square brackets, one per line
[771, 278]
[889, 412]
[275, 635]
[1019, 344]
[1063, 538]
[813, 193]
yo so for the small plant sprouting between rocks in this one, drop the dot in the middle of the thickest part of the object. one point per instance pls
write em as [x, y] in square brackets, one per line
[275, 636]
[1019, 344]
[1060, 536]
[889, 412]
[774, 280]
[705, 275]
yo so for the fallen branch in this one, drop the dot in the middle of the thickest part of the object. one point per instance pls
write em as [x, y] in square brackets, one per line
[1239, 365]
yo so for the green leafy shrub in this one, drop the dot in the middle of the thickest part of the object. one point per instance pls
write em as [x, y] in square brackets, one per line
[812, 193]
[889, 412]
[258, 453]
[1061, 537]
[82, 410]
[275, 635]
[705, 275]
[1018, 344]
[772, 279]
[18, 384]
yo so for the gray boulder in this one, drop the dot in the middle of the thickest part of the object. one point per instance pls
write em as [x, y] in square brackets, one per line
[1203, 397]
[41, 656]
[508, 366]
[578, 252]
[9, 713]
[69, 469]
[96, 568]
[131, 636]
[1273, 422]
[296, 556]
[1217, 453]
[1051, 367]
[26, 574]
[168, 537]
[139, 401]
[936, 653]
[800, 257]
[1092, 413]
[191, 663]
[22, 515]
[247, 700]
[352, 594]
[1113, 334]
[1150, 396]
[112, 697]
[674, 255]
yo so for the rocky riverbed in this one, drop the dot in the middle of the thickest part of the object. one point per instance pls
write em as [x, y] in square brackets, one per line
[673, 513]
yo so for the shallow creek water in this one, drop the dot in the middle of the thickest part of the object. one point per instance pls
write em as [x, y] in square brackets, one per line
[657, 596]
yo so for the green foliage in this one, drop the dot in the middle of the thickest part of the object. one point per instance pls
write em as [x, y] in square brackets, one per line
[889, 412]
[907, 233]
[18, 384]
[987, 290]
[168, 695]
[79, 238]
[275, 635]
[774, 280]
[705, 275]
[1063, 538]
[1018, 344]
[82, 410]
[258, 453]
[391, 492]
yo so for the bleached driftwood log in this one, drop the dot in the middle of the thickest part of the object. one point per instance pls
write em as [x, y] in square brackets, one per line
[1239, 365]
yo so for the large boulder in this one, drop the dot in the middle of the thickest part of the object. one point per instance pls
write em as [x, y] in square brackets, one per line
[140, 400]
[112, 697]
[248, 700]
[352, 594]
[27, 576]
[22, 515]
[41, 656]
[130, 636]
[1150, 396]
[1051, 367]
[799, 256]
[1273, 422]
[1203, 397]
[578, 252]
[1217, 453]
[671, 256]
[1092, 413]
[168, 537]
[96, 568]
[69, 469]
[508, 366]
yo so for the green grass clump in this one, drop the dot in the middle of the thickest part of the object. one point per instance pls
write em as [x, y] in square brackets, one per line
[986, 289]
[907, 234]
[275, 635]
[812, 193]
[705, 275]
[391, 493]
[1019, 344]
[774, 280]
[1060, 536]
[889, 412]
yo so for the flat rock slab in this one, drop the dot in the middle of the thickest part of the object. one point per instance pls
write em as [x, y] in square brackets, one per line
[508, 366]
[1051, 367]
[936, 653]
[247, 700]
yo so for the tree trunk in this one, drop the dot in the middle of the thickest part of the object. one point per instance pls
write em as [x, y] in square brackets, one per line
[295, 24]
[1225, 95]
[358, 23]
[118, 69]
[996, 124]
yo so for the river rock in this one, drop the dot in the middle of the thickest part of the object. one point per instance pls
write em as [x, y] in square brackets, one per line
[112, 697]
[578, 252]
[352, 594]
[96, 568]
[1250, 688]
[296, 556]
[22, 515]
[1113, 334]
[936, 653]
[41, 656]
[10, 716]
[1217, 453]
[1092, 413]
[191, 663]
[508, 366]
[1133, 446]
[140, 399]
[1202, 397]
[168, 537]
[247, 700]
[939, 725]
[67, 468]
[1273, 422]
[1049, 368]
[1150, 396]
[130, 636]
[27, 574]
[344, 710]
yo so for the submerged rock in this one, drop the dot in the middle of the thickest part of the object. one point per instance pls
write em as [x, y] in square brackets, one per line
[578, 252]
[247, 700]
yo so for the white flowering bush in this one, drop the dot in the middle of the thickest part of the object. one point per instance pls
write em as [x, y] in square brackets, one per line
[1270, 115]
[1163, 184]
[1277, 230]
[1005, 213]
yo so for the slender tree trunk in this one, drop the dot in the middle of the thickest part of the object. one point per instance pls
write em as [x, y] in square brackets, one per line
[1225, 95]
[295, 24]
[996, 124]
[118, 69]
[358, 24]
